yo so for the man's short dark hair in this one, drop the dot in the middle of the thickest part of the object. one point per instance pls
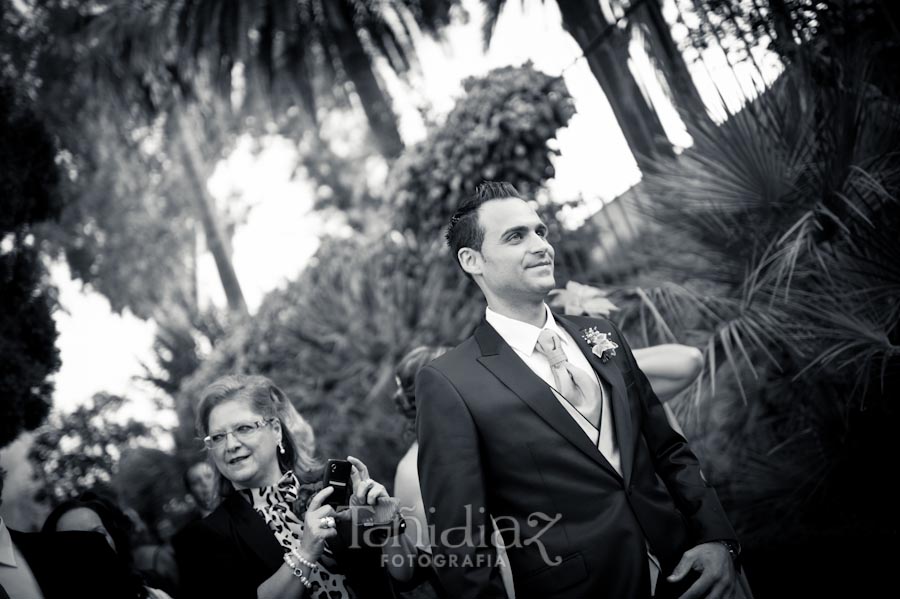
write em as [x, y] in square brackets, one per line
[464, 230]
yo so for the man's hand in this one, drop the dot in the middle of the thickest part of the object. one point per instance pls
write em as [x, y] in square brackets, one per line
[717, 576]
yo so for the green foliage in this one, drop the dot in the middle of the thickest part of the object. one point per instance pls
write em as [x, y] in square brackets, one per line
[28, 196]
[129, 231]
[126, 225]
[80, 451]
[779, 231]
[281, 55]
[793, 213]
[800, 31]
[131, 222]
[29, 179]
[150, 481]
[499, 131]
[332, 339]
[28, 356]
[183, 334]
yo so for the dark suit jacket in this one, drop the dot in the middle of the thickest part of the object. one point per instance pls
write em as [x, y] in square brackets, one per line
[494, 437]
[231, 552]
[75, 564]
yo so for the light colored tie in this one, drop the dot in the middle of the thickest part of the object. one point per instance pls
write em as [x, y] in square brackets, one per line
[584, 393]
[574, 384]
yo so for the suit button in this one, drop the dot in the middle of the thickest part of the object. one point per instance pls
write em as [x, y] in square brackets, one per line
[628, 491]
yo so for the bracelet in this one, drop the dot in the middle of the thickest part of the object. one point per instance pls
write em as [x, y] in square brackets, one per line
[297, 571]
[305, 581]
[303, 560]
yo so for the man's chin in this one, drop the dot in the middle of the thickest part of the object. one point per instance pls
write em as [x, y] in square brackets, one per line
[545, 285]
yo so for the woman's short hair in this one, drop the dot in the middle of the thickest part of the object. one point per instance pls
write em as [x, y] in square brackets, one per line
[407, 369]
[267, 400]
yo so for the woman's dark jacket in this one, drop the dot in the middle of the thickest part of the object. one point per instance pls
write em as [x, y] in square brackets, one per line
[232, 551]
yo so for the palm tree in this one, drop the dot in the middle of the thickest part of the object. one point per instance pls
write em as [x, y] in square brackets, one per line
[138, 196]
[673, 67]
[305, 50]
[163, 61]
[780, 227]
[606, 50]
[197, 171]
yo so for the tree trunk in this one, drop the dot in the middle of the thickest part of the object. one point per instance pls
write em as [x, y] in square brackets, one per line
[643, 131]
[687, 99]
[358, 67]
[215, 238]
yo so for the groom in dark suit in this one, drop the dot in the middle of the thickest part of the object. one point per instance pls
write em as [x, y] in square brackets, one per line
[546, 425]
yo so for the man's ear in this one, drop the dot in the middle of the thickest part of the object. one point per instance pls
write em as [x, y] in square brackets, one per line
[470, 260]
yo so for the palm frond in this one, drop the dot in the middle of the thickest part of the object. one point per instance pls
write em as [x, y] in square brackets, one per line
[743, 332]
[750, 333]
[839, 337]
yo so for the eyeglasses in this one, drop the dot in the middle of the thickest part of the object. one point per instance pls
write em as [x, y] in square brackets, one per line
[242, 432]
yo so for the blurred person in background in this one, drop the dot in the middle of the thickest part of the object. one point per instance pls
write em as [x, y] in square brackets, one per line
[264, 539]
[200, 482]
[90, 512]
[60, 564]
[152, 552]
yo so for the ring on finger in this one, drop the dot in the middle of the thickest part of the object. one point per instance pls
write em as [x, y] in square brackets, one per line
[326, 522]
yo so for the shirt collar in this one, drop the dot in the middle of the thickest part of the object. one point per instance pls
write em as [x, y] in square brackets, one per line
[7, 553]
[522, 336]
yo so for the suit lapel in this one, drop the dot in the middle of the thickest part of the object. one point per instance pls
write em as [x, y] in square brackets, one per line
[503, 362]
[611, 374]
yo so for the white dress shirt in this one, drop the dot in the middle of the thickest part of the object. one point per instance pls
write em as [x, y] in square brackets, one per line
[523, 337]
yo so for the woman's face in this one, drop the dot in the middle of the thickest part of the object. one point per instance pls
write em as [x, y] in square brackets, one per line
[248, 459]
[202, 482]
[84, 519]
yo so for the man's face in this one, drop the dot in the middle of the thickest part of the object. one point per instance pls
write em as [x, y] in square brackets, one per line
[515, 261]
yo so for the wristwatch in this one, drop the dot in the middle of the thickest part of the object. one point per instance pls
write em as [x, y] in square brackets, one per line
[734, 550]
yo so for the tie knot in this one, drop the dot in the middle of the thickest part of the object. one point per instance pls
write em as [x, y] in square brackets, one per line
[550, 345]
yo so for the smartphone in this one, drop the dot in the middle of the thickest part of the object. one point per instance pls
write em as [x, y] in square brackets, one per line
[337, 475]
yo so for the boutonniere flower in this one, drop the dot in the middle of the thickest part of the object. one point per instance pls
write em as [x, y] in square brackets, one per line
[601, 345]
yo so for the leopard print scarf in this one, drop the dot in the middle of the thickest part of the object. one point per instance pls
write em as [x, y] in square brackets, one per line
[274, 505]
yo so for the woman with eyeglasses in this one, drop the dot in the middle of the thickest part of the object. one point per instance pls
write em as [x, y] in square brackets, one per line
[264, 539]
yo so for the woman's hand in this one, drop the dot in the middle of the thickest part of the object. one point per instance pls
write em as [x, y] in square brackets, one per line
[318, 525]
[366, 491]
